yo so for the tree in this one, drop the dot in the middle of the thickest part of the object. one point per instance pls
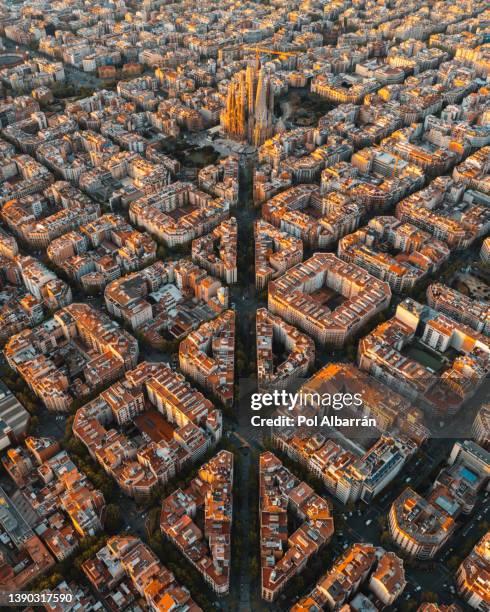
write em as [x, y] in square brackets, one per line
[112, 522]
[69, 426]
[408, 606]
[33, 424]
[74, 447]
[154, 519]
[453, 562]
[430, 597]
[351, 351]
[51, 582]
[385, 539]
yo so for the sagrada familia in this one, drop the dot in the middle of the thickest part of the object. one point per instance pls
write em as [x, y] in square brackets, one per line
[249, 112]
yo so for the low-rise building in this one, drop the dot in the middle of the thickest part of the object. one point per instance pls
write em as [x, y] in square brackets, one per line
[14, 418]
[178, 213]
[173, 298]
[209, 551]
[37, 560]
[125, 561]
[207, 355]
[285, 555]
[481, 427]
[35, 355]
[371, 247]
[328, 298]
[349, 572]
[347, 475]
[473, 576]
[443, 386]
[216, 252]
[317, 219]
[189, 426]
[271, 333]
[459, 307]
[421, 526]
[275, 252]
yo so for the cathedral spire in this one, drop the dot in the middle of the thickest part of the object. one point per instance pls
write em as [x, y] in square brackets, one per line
[249, 112]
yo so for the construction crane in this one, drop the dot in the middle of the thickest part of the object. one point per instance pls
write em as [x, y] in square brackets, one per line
[266, 51]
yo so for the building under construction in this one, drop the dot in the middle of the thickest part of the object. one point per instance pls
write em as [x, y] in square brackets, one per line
[249, 112]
